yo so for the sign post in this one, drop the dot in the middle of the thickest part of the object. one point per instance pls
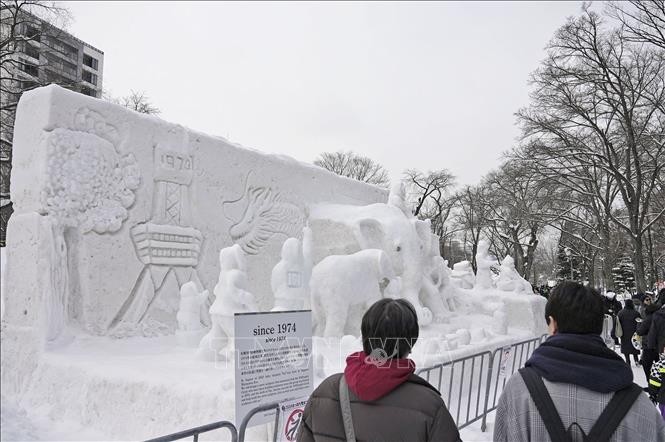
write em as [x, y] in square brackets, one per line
[273, 361]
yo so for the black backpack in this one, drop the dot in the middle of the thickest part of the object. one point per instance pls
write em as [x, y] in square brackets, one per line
[605, 425]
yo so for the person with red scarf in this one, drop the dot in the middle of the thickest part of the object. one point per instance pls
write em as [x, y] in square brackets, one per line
[379, 397]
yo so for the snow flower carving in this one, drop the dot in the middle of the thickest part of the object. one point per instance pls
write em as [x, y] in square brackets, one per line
[89, 185]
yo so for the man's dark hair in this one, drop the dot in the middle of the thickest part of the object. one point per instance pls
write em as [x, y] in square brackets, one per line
[576, 308]
[629, 304]
[389, 328]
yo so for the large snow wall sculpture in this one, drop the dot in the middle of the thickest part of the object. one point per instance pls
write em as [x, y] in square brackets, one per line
[115, 211]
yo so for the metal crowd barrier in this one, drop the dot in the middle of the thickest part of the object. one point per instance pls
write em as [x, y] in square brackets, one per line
[483, 374]
[194, 432]
[471, 381]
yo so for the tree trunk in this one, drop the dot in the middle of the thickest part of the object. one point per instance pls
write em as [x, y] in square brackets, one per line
[638, 257]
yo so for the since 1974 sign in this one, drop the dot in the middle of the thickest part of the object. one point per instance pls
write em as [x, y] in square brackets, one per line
[273, 360]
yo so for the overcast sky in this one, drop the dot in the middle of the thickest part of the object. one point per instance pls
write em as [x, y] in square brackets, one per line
[411, 85]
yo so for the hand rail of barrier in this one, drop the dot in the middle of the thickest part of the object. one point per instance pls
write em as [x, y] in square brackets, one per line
[194, 432]
[254, 411]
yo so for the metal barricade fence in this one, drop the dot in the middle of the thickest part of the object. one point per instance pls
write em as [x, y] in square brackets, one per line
[505, 362]
[195, 432]
[462, 383]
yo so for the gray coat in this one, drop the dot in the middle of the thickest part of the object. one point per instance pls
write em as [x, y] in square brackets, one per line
[518, 420]
[412, 412]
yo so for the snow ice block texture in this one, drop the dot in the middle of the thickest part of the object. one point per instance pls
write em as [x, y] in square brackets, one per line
[124, 208]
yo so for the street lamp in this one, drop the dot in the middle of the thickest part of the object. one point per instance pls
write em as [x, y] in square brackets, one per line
[569, 254]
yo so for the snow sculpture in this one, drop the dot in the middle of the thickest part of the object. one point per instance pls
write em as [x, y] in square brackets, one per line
[397, 198]
[462, 275]
[483, 264]
[290, 278]
[189, 313]
[340, 282]
[166, 243]
[509, 280]
[434, 293]
[91, 184]
[266, 213]
[342, 230]
[231, 297]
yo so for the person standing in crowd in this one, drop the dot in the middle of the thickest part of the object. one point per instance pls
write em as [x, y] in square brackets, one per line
[647, 302]
[656, 336]
[649, 354]
[573, 386]
[378, 397]
[612, 307]
[628, 320]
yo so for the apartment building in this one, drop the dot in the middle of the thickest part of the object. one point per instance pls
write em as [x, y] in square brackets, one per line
[39, 54]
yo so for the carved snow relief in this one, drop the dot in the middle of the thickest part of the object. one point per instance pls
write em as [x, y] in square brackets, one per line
[90, 184]
[265, 213]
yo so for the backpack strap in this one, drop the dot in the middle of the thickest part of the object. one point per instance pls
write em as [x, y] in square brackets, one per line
[614, 413]
[545, 406]
[345, 408]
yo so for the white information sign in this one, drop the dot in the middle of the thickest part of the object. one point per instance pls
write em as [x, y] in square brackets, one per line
[273, 360]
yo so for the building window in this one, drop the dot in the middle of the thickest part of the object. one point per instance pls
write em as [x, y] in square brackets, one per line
[29, 69]
[88, 91]
[90, 61]
[89, 77]
[31, 51]
[28, 84]
[63, 48]
[32, 33]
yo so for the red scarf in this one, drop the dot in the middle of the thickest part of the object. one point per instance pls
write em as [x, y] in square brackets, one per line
[371, 379]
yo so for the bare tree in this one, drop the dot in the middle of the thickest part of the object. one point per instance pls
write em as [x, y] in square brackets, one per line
[598, 115]
[137, 101]
[471, 216]
[353, 165]
[432, 199]
[644, 20]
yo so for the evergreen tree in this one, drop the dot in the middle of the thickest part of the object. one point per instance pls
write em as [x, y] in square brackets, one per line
[563, 263]
[624, 275]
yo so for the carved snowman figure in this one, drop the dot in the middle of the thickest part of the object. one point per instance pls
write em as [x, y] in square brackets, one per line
[231, 297]
[290, 279]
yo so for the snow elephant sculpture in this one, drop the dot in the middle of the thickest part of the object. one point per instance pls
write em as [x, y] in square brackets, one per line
[341, 281]
[344, 229]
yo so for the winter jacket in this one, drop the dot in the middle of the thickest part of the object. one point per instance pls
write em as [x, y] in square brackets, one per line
[656, 379]
[644, 326]
[656, 336]
[627, 318]
[412, 411]
[581, 375]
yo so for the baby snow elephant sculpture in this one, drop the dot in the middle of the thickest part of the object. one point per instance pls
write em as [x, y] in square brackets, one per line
[341, 281]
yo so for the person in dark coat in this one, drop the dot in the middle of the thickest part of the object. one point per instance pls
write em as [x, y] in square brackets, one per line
[387, 400]
[628, 319]
[612, 308]
[656, 336]
[649, 354]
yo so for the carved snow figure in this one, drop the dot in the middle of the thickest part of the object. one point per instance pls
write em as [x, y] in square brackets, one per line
[397, 198]
[290, 278]
[432, 291]
[447, 287]
[462, 275]
[231, 297]
[340, 282]
[483, 264]
[509, 280]
[189, 313]
[343, 229]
